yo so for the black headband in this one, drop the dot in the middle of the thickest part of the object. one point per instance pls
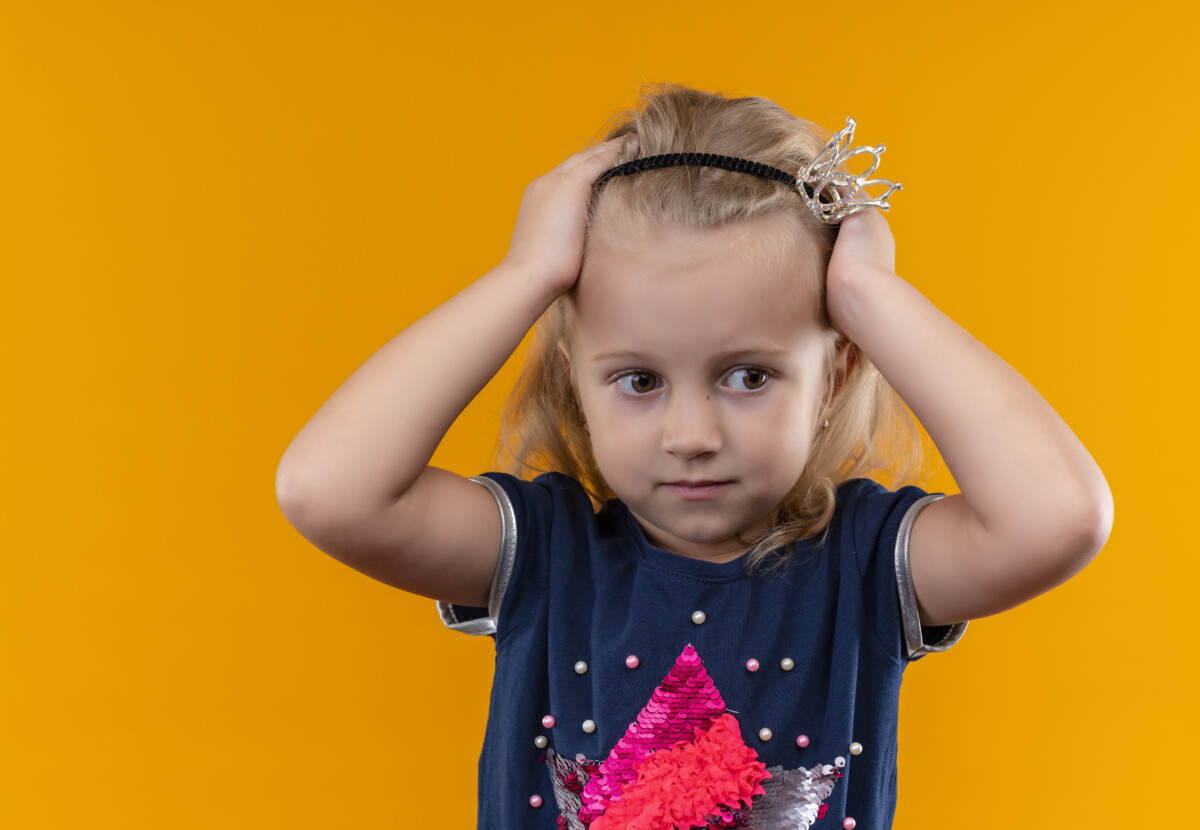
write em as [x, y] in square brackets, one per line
[754, 168]
[828, 193]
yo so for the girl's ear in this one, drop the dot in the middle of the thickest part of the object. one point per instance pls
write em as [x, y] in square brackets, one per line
[565, 352]
[844, 360]
[566, 357]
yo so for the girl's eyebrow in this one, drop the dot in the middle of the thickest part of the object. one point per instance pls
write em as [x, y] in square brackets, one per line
[739, 354]
[720, 357]
[614, 356]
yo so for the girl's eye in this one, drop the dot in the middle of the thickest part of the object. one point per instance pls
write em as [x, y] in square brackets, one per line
[748, 379]
[637, 383]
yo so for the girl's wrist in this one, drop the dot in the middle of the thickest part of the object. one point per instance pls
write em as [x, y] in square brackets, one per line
[848, 297]
[541, 288]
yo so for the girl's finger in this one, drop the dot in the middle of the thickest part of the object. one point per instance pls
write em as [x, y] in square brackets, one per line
[604, 152]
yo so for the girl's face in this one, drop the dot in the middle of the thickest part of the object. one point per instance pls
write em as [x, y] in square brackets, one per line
[701, 368]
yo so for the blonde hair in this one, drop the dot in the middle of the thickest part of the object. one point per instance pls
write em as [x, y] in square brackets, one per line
[871, 433]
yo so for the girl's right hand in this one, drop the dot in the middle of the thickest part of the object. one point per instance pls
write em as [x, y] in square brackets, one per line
[357, 480]
[547, 242]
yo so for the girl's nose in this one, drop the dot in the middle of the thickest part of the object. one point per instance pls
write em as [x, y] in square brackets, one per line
[691, 426]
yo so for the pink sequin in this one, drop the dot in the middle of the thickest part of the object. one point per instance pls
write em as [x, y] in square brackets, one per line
[686, 701]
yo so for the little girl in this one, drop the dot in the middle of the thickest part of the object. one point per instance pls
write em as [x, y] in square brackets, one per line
[702, 605]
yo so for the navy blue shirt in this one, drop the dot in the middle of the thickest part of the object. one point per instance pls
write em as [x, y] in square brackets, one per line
[587, 588]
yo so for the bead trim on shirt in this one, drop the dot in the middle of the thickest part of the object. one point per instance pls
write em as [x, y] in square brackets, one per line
[685, 754]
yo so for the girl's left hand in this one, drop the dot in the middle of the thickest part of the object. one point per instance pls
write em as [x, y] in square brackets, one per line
[1034, 507]
[864, 250]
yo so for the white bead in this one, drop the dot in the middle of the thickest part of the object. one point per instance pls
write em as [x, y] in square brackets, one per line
[839, 761]
[698, 617]
[856, 748]
[765, 734]
[581, 667]
[540, 742]
[787, 664]
[589, 726]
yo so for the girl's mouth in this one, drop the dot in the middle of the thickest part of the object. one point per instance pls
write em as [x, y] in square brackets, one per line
[698, 490]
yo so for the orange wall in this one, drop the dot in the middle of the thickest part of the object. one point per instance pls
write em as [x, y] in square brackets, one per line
[212, 213]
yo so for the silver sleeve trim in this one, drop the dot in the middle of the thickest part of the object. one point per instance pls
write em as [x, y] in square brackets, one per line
[910, 617]
[504, 565]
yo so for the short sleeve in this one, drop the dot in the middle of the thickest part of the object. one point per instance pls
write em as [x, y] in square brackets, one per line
[482, 621]
[552, 512]
[880, 522]
[918, 640]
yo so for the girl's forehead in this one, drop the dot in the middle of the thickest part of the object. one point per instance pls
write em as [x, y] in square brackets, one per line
[766, 260]
[677, 287]
[764, 238]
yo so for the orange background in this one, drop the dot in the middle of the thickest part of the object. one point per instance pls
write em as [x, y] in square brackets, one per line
[212, 213]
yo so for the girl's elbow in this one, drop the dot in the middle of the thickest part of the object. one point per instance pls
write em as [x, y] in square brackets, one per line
[1086, 526]
[1100, 517]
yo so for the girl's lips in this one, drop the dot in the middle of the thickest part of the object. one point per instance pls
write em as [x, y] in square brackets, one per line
[698, 490]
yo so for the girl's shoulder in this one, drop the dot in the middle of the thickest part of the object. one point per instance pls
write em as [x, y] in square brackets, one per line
[870, 517]
[547, 491]
[859, 493]
[551, 482]
[557, 500]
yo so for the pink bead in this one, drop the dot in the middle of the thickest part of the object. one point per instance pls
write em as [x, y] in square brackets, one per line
[848, 823]
[548, 721]
[802, 741]
[536, 801]
[632, 661]
[751, 665]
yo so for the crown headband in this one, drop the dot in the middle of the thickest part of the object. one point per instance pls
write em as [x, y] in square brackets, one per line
[828, 193]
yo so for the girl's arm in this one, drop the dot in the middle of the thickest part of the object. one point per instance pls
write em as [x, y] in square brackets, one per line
[356, 482]
[1034, 507]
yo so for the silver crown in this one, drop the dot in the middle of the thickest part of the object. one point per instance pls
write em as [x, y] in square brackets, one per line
[833, 192]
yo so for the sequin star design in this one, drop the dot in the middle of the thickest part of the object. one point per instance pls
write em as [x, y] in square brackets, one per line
[682, 763]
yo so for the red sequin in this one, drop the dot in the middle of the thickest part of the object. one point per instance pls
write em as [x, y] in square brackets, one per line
[686, 701]
[690, 785]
